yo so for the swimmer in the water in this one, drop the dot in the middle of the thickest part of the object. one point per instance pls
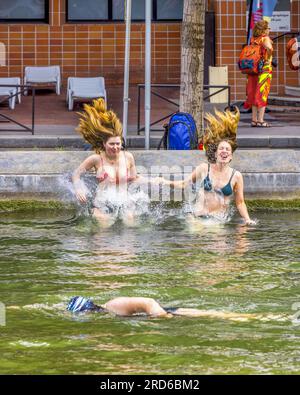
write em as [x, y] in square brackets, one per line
[131, 306]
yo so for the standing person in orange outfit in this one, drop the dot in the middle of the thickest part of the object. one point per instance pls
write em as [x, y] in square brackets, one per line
[258, 86]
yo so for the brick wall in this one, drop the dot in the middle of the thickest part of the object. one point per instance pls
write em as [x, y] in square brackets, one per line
[98, 49]
[90, 49]
[231, 35]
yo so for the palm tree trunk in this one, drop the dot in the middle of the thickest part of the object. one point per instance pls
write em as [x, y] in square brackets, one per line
[192, 60]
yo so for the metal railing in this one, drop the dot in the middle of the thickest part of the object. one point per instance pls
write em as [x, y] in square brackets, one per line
[20, 90]
[220, 88]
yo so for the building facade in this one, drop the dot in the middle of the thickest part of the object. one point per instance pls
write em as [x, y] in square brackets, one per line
[87, 38]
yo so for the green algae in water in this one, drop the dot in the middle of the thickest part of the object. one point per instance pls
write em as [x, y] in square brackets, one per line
[11, 205]
[273, 204]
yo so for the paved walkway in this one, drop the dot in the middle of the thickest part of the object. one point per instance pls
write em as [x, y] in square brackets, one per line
[55, 125]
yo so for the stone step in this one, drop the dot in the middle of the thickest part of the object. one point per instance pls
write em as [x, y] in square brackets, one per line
[249, 140]
[292, 91]
[289, 101]
[283, 108]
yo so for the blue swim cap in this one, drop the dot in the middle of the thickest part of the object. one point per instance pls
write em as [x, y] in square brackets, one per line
[79, 303]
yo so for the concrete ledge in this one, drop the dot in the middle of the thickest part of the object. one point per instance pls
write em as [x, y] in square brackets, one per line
[60, 162]
[136, 142]
[29, 141]
[263, 185]
[265, 172]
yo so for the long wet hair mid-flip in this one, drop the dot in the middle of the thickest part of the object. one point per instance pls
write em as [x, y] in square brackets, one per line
[97, 124]
[221, 127]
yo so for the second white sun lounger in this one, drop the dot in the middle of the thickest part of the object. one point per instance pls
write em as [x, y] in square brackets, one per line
[85, 88]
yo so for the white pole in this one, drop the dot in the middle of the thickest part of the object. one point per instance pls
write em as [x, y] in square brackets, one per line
[126, 99]
[148, 73]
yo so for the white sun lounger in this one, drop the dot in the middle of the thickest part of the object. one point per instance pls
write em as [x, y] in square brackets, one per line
[85, 88]
[10, 90]
[43, 75]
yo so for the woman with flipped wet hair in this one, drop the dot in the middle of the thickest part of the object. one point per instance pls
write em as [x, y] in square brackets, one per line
[114, 168]
[218, 181]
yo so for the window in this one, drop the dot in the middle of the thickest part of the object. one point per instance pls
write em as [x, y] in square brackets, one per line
[169, 9]
[87, 10]
[114, 10]
[137, 9]
[24, 10]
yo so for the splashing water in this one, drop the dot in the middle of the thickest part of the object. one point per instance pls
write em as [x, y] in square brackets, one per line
[133, 201]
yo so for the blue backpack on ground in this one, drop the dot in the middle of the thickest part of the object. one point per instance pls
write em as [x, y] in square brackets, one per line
[180, 133]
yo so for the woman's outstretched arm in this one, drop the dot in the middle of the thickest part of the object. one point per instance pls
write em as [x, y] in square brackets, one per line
[191, 178]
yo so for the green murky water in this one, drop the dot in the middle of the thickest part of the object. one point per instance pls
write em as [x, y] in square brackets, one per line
[48, 256]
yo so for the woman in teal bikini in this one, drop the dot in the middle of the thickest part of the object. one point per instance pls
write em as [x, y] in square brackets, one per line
[218, 181]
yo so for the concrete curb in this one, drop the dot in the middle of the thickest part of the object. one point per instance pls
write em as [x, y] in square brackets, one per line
[266, 172]
[70, 142]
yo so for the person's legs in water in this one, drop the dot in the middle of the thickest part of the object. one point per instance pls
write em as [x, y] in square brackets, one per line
[104, 219]
[190, 312]
[129, 219]
[127, 213]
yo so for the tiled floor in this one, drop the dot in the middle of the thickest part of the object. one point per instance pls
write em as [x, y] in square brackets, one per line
[52, 117]
[51, 109]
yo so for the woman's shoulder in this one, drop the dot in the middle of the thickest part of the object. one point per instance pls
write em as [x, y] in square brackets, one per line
[266, 40]
[128, 155]
[94, 157]
[203, 166]
[236, 174]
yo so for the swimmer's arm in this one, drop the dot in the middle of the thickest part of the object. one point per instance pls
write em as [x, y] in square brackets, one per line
[192, 178]
[86, 165]
[128, 306]
[239, 199]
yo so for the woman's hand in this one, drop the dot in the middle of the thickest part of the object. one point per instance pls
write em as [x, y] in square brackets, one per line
[80, 195]
[249, 222]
